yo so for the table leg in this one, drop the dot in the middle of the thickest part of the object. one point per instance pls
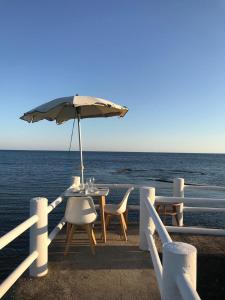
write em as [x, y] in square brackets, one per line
[102, 213]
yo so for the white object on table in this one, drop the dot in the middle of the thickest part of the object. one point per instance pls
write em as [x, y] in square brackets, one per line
[76, 192]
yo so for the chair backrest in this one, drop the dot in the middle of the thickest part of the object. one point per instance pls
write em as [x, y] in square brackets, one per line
[80, 210]
[123, 204]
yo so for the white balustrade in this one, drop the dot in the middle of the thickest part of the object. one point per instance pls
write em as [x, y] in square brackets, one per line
[190, 200]
[56, 230]
[178, 258]
[196, 230]
[18, 230]
[178, 191]
[39, 237]
[145, 222]
[55, 203]
[37, 261]
[11, 279]
[184, 284]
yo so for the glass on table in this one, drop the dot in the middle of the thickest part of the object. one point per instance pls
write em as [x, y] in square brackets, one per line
[86, 187]
[93, 186]
[89, 184]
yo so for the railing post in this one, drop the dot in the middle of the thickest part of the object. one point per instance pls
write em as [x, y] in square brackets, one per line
[75, 181]
[178, 258]
[178, 187]
[39, 237]
[144, 219]
[178, 191]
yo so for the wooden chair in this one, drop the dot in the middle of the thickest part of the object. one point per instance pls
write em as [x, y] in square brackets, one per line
[80, 211]
[119, 210]
[168, 209]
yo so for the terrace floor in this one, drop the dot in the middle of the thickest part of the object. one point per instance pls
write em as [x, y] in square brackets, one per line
[119, 270]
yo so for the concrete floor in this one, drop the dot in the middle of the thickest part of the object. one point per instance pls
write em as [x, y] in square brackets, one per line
[119, 270]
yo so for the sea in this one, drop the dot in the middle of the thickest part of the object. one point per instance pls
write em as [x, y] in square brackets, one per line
[28, 174]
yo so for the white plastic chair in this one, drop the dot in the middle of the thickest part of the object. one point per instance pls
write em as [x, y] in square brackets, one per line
[80, 211]
[119, 210]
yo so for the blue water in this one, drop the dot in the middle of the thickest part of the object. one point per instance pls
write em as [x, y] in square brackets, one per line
[28, 174]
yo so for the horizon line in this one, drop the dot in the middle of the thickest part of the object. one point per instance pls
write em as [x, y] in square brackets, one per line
[116, 151]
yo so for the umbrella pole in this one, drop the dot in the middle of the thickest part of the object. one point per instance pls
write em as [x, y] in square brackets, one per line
[81, 151]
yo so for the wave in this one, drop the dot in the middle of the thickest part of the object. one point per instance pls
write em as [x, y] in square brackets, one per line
[171, 181]
[160, 179]
[129, 170]
[177, 171]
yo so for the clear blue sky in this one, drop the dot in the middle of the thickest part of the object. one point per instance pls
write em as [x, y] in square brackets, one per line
[165, 60]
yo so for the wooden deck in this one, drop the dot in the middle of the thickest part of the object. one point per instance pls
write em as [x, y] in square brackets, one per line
[119, 270]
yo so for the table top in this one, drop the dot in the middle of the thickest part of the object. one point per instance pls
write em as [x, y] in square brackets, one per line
[98, 192]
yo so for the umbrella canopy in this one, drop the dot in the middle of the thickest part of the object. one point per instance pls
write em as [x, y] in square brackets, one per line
[66, 108]
[75, 107]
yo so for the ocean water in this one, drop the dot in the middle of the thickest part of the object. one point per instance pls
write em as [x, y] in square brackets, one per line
[28, 174]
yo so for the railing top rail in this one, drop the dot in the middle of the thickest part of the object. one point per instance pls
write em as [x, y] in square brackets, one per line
[187, 200]
[186, 186]
[55, 203]
[11, 279]
[203, 209]
[17, 231]
[155, 258]
[185, 287]
[54, 232]
[161, 229]
[205, 187]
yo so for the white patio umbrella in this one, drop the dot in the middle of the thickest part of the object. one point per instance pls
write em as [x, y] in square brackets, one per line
[75, 107]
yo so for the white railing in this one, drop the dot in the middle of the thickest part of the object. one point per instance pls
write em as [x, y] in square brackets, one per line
[176, 275]
[204, 187]
[187, 202]
[37, 261]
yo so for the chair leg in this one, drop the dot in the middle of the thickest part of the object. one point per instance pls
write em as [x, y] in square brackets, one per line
[176, 217]
[68, 226]
[176, 214]
[164, 215]
[122, 221]
[157, 208]
[107, 221]
[126, 217]
[89, 232]
[70, 236]
[93, 236]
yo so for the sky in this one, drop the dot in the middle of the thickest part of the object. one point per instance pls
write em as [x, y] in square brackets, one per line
[164, 60]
